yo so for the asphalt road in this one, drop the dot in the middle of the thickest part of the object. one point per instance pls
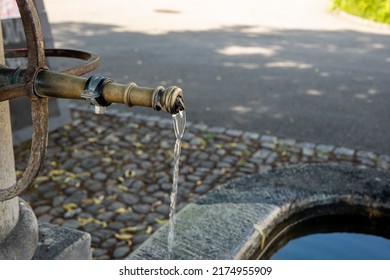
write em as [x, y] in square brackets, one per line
[288, 69]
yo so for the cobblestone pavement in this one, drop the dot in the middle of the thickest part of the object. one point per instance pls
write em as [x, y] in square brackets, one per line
[111, 175]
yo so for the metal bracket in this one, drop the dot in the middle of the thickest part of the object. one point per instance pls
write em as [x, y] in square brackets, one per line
[93, 92]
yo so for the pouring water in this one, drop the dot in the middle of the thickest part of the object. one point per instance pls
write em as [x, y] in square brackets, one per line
[179, 124]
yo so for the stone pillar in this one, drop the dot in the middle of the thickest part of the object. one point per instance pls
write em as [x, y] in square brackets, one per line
[9, 210]
[18, 224]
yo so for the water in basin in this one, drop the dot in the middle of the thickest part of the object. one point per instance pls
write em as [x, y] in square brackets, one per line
[333, 237]
[335, 246]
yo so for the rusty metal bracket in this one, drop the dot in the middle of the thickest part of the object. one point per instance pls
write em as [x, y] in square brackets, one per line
[91, 59]
[36, 55]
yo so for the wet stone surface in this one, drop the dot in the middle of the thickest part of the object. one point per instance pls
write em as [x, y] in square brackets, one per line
[110, 175]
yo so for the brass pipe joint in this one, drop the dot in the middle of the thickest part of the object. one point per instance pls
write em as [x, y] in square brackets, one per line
[169, 100]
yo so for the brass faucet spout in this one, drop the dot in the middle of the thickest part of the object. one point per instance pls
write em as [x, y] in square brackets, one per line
[52, 84]
[100, 91]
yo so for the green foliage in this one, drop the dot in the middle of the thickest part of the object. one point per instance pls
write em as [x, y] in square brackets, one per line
[376, 10]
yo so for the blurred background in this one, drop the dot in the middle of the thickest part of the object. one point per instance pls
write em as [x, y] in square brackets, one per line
[289, 68]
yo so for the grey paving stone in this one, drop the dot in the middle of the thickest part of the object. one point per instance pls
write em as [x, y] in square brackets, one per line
[71, 224]
[234, 132]
[128, 198]
[269, 145]
[306, 145]
[344, 152]
[287, 142]
[268, 138]
[91, 227]
[163, 209]
[100, 176]
[325, 148]
[141, 208]
[309, 152]
[366, 155]
[201, 127]
[261, 154]
[216, 129]
[42, 210]
[121, 252]
[271, 158]
[109, 243]
[197, 141]
[251, 135]
[106, 216]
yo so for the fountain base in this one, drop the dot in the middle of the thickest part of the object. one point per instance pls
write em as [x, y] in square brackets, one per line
[241, 219]
[61, 243]
[22, 241]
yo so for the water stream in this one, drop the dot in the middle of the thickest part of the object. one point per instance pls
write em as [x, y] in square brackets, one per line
[179, 124]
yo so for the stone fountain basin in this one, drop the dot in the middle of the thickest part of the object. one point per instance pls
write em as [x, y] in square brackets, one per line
[239, 219]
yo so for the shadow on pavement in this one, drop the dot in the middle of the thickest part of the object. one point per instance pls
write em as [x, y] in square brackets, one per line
[320, 86]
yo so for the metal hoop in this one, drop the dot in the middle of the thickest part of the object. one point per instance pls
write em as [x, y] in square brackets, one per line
[36, 55]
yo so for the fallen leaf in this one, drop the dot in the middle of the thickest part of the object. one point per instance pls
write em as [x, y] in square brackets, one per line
[83, 174]
[69, 206]
[129, 229]
[122, 188]
[42, 179]
[92, 139]
[185, 145]
[56, 172]
[123, 236]
[85, 221]
[101, 223]
[157, 203]
[160, 221]
[233, 145]
[98, 200]
[107, 159]
[260, 230]
[130, 173]
[122, 210]
[112, 197]
[149, 230]
[218, 146]
[88, 201]
[137, 144]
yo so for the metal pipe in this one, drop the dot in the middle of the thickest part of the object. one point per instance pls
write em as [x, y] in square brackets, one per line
[59, 85]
